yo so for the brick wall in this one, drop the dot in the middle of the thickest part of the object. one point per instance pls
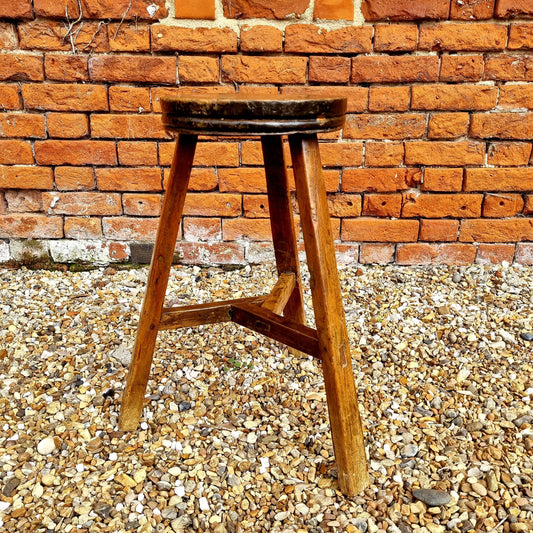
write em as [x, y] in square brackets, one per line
[434, 164]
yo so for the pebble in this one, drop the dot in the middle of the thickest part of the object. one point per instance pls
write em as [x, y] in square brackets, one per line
[432, 497]
[46, 446]
[409, 450]
[527, 335]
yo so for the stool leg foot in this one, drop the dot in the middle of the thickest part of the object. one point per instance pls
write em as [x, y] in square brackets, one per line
[345, 420]
[133, 398]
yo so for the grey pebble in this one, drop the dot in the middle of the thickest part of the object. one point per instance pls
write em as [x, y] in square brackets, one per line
[409, 450]
[432, 497]
[102, 509]
[10, 486]
[527, 335]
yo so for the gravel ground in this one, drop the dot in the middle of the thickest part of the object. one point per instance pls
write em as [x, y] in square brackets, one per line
[235, 435]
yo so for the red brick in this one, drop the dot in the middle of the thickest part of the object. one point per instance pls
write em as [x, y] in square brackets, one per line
[67, 125]
[129, 37]
[187, 92]
[389, 98]
[487, 230]
[30, 226]
[258, 91]
[213, 253]
[495, 253]
[524, 254]
[502, 205]
[509, 153]
[197, 40]
[255, 205]
[10, 96]
[502, 125]
[357, 97]
[75, 153]
[195, 10]
[513, 8]
[253, 229]
[201, 229]
[499, 179]
[395, 37]
[213, 205]
[517, 95]
[127, 127]
[394, 69]
[198, 69]
[344, 205]
[247, 180]
[142, 205]
[444, 153]
[333, 10]
[382, 205]
[82, 203]
[60, 67]
[130, 229]
[461, 68]
[21, 67]
[128, 179]
[453, 36]
[22, 125]
[441, 205]
[261, 39]
[448, 125]
[207, 154]
[132, 99]
[255, 69]
[329, 69]
[123, 9]
[269, 9]
[427, 254]
[23, 201]
[64, 97]
[383, 154]
[442, 179]
[521, 36]
[348, 154]
[54, 9]
[378, 179]
[130, 68]
[15, 152]
[404, 9]
[8, 36]
[379, 254]
[20, 9]
[379, 230]
[438, 230]
[508, 68]
[446, 97]
[471, 9]
[83, 228]
[133, 153]
[202, 179]
[26, 178]
[74, 178]
[311, 39]
[528, 207]
[392, 126]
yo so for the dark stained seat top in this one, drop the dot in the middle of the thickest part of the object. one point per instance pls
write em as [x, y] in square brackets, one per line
[234, 115]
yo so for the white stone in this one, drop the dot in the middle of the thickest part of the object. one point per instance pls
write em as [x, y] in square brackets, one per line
[4, 252]
[84, 251]
[204, 504]
[46, 446]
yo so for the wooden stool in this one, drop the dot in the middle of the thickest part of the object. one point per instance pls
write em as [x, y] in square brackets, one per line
[269, 119]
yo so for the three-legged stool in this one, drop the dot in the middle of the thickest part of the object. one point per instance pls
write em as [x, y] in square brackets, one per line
[279, 315]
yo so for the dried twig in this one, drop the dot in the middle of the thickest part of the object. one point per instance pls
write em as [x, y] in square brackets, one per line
[100, 24]
[498, 524]
[122, 20]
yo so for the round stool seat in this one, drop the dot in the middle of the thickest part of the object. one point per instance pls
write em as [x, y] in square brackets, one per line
[234, 115]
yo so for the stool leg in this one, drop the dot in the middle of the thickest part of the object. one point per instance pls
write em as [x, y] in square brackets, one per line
[345, 420]
[282, 221]
[167, 232]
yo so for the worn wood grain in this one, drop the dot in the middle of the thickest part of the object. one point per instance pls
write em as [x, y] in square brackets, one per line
[282, 291]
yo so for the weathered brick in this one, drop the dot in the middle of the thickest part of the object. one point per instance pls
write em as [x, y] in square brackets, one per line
[127, 127]
[392, 126]
[394, 69]
[132, 99]
[524, 253]
[261, 38]
[253, 229]
[83, 228]
[214, 253]
[142, 205]
[24, 201]
[64, 97]
[329, 69]
[15, 152]
[21, 67]
[438, 230]
[82, 203]
[344, 205]
[509, 153]
[124, 9]
[389, 98]
[333, 10]
[8, 36]
[442, 179]
[130, 68]
[508, 68]
[502, 125]
[134, 153]
[452, 36]
[471, 9]
[379, 230]
[258, 91]
[357, 97]
[197, 40]
[382, 205]
[461, 68]
[75, 153]
[311, 39]
[448, 125]
[446, 97]
[67, 125]
[405, 10]
[130, 37]
[444, 153]
[427, 254]
[21, 9]
[207, 154]
[495, 253]
[30, 226]
[22, 125]
[187, 92]
[502, 205]
[204, 10]
[380, 254]
[498, 179]
[513, 8]
[255, 69]
[54, 9]
[395, 37]
[26, 177]
[521, 36]
[528, 204]
[383, 154]
[201, 229]
[379, 179]
[198, 69]
[74, 178]
[10, 96]
[255, 206]
[212, 205]
[487, 230]
[128, 179]
[441, 205]
[250, 180]
[202, 179]
[348, 154]
[61, 67]
[514, 96]
[269, 9]
[130, 228]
